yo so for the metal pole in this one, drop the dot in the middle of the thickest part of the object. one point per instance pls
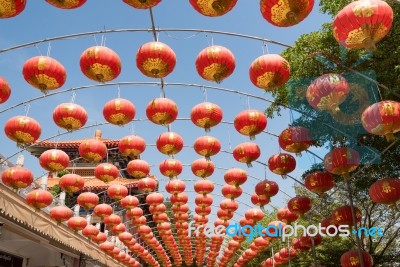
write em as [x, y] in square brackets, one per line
[313, 251]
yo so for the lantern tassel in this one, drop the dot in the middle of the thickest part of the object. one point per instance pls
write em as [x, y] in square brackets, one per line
[284, 176]
[346, 176]
[249, 165]
[252, 137]
[299, 154]
[208, 158]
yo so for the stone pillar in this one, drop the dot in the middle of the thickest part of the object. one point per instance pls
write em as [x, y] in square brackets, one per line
[62, 198]
[76, 210]
[43, 181]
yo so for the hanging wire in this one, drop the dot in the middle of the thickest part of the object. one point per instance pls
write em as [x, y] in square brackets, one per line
[73, 96]
[95, 39]
[118, 91]
[205, 93]
[38, 49]
[48, 49]
[27, 107]
[265, 48]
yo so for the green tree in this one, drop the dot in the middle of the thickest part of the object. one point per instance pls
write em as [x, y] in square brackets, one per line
[318, 53]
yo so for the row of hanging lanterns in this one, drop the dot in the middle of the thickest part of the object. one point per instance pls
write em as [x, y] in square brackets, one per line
[154, 60]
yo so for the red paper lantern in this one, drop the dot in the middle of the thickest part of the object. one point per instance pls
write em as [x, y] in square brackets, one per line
[327, 92]
[142, 4]
[125, 237]
[147, 184]
[201, 211]
[259, 200]
[207, 146]
[106, 172]
[231, 192]
[92, 150]
[22, 129]
[295, 139]
[134, 213]
[138, 168]
[162, 111]
[319, 182]
[66, 4]
[299, 205]
[183, 208]
[282, 163]
[154, 199]
[285, 253]
[129, 202]
[246, 153]
[385, 191]
[157, 209]
[90, 231]
[155, 60]
[44, 73]
[119, 111]
[285, 14]
[229, 205]
[235, 176]
[100, 64]
[39, 199]
[107, 246]
[87, 200]
[382, 118]
[12, 8]
[99, 238]
[102, 210]
[77, 223]
[71, 183]
[203, 187]
[131, 146]
[362, 24]
[206, 115]
[250, 122]
[269, 72]
[215, 63]
[352, 259]
[342, 161]
[267, 188]
[179, 199]
[202, 168]
[54, 160]
[112, 220]
[170, 168]
[213, 8]
[175, 186]
[17, 177]
[61, 213]
[169, 143]
[117, 191]
[70, 116]
[5, 89]
[224, 215]
[254, 215]
[343, 215]
[286, 216]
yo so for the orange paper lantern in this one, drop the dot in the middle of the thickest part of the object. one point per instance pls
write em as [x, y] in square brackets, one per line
[269, 72]
[215, 63]
[119, 111]
[17, 177]
[169, 143]
[22, 129]
[66, 4]
[206, 115]
[5, 90]
[44, 73]
[362, 24]
[250, 122]
[155, 60]
[142, 4]
[162, 111]
[100, 64]
[132, 146]
[285, 14]
[70, 116]
[213, 8]
[54, 160]
[11, 8]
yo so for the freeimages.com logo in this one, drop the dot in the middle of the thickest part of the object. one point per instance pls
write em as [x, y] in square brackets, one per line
[281, 231]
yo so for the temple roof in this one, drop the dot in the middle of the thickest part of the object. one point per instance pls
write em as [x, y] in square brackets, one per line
[73, 143]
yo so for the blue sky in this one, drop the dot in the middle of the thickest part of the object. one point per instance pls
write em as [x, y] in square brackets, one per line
[40, 21]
